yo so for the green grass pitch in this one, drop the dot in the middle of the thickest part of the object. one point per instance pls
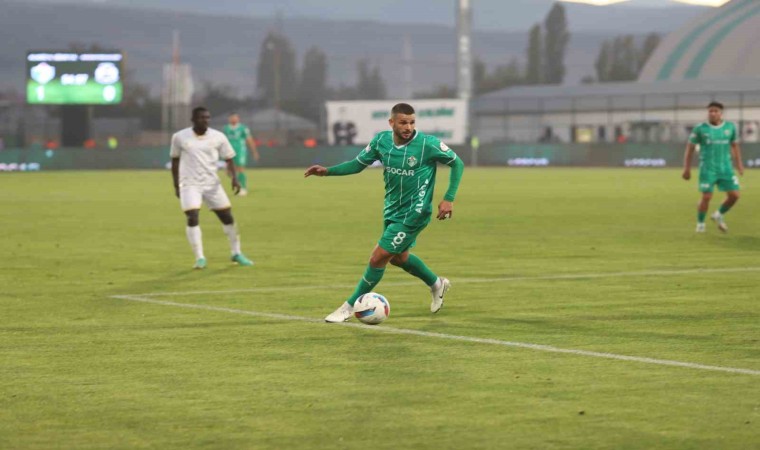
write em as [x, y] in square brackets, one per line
[82, 369]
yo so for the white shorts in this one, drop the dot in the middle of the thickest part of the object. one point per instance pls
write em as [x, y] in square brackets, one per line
[191, 197]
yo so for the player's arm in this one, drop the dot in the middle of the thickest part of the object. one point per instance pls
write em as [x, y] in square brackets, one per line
[252, 145]
[175, 175]
[444, 155]
[688, 156]
[346, 168]
[736, 153]
[232, 173]
[228, 154]
[174, 153]
[356, 165]
[691, 148]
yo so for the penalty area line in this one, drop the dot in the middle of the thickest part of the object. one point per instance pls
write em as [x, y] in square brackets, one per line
[451, 337]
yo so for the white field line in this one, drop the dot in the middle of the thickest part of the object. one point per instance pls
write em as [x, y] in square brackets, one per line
[577, 276]
[452, 337]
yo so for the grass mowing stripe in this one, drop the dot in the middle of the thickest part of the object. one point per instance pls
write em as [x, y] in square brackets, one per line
[650, 273]
[454, 337]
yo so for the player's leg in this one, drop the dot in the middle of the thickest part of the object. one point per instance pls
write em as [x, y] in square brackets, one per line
[702, 208]
[190, 199]
[233, 236]
[706, 186]
[195, 237]
[732, 196]
[241, 161]
[373, 273]
[729, 185]
[218, 201]
[414, 266]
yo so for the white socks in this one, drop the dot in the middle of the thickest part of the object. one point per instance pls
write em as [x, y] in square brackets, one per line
[195, 238]
[234, 238]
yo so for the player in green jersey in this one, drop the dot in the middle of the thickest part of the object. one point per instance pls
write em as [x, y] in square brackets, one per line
[718, 153]
[410, 159]
[239, 136]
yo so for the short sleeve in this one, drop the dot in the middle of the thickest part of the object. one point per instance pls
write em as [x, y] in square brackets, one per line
[734, 138]
[370, 153]
[441, 152]
[225, 149]
[176, 147]
[694, 136]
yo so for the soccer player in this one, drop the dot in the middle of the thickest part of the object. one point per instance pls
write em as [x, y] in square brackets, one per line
[718, 145]
[195, 152]
[239, 136]
[410, 160]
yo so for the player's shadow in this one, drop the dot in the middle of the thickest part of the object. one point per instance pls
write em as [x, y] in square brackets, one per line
[742, 242]
[178, 280]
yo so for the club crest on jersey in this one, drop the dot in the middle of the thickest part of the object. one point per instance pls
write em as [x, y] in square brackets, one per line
[412, 161]
[727, 132]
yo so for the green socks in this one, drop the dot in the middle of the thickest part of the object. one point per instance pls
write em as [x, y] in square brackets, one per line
[701, 216]
[243, 179]
[724, 209]
[415, 266]
[371, 277]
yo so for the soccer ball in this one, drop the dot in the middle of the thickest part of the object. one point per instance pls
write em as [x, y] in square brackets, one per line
[372, 308]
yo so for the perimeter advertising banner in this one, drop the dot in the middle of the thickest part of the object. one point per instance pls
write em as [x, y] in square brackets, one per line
[357, 122]
[73, 78]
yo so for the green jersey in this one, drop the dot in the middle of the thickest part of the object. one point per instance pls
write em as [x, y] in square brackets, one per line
[237, 136]
[715, 147]
[409, 172]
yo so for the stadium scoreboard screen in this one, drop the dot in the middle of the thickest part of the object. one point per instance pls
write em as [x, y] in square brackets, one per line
[74, 78]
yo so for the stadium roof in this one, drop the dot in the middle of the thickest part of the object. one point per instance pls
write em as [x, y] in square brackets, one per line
[620, 96]
[719, 44]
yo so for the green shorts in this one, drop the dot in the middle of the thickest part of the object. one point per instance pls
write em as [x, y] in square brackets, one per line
[241, 158]
[398, 238]
[725, 182]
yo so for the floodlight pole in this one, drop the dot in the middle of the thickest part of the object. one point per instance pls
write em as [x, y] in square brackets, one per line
[464, 59]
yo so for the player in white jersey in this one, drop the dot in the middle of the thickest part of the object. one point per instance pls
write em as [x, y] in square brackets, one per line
[195, 152]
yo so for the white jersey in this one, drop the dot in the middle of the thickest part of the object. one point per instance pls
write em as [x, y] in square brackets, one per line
[198, 155]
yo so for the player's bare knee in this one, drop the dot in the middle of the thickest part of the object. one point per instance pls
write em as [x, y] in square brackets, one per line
[380, 258]
[400, 260]
[733, 196]
[225, 216]
[193, 217]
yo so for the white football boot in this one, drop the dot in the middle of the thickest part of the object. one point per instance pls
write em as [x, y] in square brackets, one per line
[700, 227]
[717, 217]
[438, 290]
[341, 314]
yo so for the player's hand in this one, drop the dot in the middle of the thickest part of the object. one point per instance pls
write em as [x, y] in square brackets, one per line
[686, 174]
[236, 186]
[256, 156]
[740, 169]
[445, 210]
[315, 170]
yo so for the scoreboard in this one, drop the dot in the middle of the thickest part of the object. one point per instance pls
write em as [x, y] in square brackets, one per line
[74, 78]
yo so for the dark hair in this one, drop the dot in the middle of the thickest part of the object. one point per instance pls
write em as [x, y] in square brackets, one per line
[718, 105]
[402, 108]
[198, 110]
